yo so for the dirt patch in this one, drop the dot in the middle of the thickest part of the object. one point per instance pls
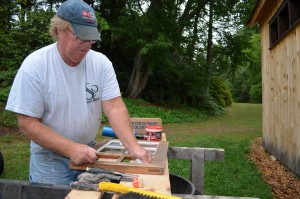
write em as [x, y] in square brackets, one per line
[285, 185]
[9, 130]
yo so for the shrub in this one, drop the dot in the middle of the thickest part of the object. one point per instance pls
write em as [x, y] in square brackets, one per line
[209, 106]
[6, 79]
[220, 92]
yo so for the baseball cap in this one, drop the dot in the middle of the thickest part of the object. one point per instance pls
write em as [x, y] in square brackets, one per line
[82, 18]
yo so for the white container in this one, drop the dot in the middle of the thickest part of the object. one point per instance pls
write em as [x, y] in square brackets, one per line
[154, 131]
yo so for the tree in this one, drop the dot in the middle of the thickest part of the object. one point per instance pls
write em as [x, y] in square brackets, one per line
[19, 38]
[156, 45]
[243, 64]
[152, 36]
[253, 53]
[162, 50]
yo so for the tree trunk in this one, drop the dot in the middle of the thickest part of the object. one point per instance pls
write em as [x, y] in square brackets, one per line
[209, 47]
[138, 79]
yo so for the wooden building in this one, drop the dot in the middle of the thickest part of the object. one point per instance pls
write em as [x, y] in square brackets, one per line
[279, 21]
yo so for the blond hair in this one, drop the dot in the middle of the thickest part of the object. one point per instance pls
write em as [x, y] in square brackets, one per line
[57, 24]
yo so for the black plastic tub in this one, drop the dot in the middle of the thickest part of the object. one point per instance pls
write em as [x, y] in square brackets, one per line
[14, 189]
[180, 185]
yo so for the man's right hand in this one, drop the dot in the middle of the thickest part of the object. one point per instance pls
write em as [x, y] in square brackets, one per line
[82, 153]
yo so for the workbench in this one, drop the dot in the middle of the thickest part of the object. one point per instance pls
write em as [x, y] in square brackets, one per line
[157, 183]
[161, 183]
[26, 190]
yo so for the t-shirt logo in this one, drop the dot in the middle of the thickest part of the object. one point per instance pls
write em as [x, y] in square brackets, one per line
[91, 92]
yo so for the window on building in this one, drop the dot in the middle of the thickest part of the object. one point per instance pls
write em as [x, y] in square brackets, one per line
[284, 19]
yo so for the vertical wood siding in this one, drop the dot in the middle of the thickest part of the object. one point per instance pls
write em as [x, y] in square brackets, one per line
[281, 94]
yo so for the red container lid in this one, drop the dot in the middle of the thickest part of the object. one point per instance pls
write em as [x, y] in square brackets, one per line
[154, 128]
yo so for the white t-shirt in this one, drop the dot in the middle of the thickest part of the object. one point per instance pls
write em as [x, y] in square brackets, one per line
[67, 99]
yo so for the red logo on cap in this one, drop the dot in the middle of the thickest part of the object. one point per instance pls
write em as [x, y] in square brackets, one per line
[89, 16]
[86, 14]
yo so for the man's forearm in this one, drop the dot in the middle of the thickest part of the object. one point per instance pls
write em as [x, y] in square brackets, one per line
[119, 119]
[122, 126]
[48, 138]
[44, 136]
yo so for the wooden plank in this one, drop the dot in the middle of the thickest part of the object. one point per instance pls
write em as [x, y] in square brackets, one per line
[186, 153]
[197, 171]
[161, 153]
[155, 183]
[136, 168]
[80, 194]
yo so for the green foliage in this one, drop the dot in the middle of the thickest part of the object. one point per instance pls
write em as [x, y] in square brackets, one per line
[254, 55]
[209, 106]
[24, 37]
[256, 93]
[6, 79]
[220, 91]
[16, 43]
[246, 84]
[172, 45]
[175, 95]
[240, 86]
[181, 86]
[4, 94]
[141, 108]
[7, 118]
[103, 25]
[161, 42]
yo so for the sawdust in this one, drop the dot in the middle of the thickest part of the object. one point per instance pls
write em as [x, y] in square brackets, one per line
[285, 185]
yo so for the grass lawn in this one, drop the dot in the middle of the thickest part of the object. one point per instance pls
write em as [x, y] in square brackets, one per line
[232, 131]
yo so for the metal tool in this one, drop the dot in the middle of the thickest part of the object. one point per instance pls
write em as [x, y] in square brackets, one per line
[84, 186]
[99, 170]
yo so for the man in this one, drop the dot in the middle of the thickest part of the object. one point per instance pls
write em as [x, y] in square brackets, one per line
[58, 94]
